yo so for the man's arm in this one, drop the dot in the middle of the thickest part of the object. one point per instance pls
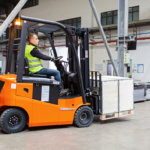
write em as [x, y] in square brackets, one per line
[36, 53]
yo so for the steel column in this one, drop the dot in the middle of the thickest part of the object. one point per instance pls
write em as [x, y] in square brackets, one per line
[122, 32]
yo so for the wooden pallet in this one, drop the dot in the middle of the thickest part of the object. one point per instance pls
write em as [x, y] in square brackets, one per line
[126, 113]
[116, 115]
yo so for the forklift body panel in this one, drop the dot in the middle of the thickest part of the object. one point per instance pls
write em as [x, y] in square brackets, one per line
[39, 113]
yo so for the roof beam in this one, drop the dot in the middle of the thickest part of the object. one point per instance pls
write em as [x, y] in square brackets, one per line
[12, 15]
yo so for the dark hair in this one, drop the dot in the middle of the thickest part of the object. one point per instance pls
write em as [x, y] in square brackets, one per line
[30, 36]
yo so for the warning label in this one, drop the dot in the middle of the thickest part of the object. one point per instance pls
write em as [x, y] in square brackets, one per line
[86, 54]
[45, 93]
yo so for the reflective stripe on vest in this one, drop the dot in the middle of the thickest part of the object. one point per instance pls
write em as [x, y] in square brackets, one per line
[34, 60]
[35, 66]
[35, 63]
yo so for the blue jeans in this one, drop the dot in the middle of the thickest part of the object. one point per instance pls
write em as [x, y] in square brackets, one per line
[51, 72]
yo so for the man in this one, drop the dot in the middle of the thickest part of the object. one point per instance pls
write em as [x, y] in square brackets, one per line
[34, 55]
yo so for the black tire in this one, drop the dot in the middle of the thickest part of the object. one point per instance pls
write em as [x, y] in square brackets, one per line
[83, 116]
[13, 120]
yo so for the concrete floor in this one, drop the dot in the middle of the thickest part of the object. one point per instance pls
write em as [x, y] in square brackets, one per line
[127, 133]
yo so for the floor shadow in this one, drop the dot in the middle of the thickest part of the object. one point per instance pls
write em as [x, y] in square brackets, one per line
[30, 129]
[47, 127]
[139, 102]
[96, 120]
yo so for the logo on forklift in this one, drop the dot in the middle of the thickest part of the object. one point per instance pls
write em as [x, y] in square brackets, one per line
[13, 86]
[65, 108]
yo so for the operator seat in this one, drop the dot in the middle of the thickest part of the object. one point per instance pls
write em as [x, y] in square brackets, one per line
[26, 70]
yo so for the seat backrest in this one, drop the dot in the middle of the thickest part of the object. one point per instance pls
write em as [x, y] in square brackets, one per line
[28, 73]
[26, 66]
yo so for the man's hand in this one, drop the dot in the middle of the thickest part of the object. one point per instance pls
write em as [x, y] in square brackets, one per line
[60, 60]
[52, 57]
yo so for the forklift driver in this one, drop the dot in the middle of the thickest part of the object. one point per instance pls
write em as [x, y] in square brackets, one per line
[34, 55]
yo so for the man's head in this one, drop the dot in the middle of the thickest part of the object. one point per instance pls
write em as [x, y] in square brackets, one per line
[32, 38]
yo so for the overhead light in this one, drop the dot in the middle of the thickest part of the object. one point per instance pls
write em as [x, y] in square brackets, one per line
[18, 22]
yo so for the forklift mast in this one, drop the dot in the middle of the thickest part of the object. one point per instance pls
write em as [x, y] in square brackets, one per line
[83, 35]
[84, 56]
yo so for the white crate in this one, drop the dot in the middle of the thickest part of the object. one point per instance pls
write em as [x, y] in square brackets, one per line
[117, 95]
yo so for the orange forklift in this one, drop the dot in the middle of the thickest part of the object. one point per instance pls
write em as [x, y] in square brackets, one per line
[32, 99]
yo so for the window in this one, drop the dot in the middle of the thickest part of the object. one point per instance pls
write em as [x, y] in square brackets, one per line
[3, 37]
[72, 22]
[2, 11]
[111, 17]
[31, 3]
[134, 13]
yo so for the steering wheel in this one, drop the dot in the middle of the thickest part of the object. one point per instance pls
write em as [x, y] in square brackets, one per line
[57, 58]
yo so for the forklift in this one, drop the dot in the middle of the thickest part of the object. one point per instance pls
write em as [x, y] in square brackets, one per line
[32, 99]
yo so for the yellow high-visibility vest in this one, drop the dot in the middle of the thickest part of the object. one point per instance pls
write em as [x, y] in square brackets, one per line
[35, 63]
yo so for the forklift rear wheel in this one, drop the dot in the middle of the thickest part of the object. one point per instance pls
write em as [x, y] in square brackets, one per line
[83, 116]
[13, 120]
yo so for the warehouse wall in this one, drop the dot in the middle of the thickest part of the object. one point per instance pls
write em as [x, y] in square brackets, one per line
[57, 10]
[60, 10]
[140, 56]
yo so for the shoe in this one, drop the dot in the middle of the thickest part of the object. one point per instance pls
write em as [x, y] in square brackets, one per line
[63, 91]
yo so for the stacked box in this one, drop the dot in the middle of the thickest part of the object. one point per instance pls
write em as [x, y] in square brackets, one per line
[116, 95]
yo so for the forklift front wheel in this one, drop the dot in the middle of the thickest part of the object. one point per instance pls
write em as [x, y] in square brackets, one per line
[83, 116]
[13, 120]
